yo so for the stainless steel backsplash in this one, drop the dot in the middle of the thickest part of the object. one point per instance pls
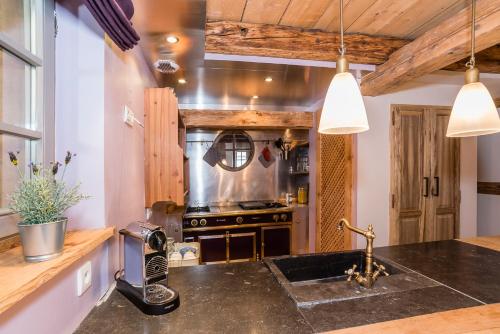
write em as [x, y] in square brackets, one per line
[215, 185]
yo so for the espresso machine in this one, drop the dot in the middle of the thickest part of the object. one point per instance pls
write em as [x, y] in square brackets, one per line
[144, 277]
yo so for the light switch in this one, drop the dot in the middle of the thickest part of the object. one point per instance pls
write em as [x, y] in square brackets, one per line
[84, 278]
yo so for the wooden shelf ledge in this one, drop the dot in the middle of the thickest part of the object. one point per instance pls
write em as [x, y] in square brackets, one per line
[18, 278]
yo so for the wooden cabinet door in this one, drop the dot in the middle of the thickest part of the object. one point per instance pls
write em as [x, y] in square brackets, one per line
[410, 185]
[425, 175]
[213, 248]
[275, 240]
[242, 247]
[442, 219]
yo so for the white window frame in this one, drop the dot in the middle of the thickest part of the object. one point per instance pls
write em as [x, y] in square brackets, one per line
[42, 62]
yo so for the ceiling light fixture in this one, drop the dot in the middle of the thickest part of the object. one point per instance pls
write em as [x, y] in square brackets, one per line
[255, 97]
[268, 79]
[474, 113]
[182, 81]
[343, 110]
[172, 39]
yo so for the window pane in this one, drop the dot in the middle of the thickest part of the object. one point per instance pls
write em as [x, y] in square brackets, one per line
[15, 91]
[15, 21]
[26, 151]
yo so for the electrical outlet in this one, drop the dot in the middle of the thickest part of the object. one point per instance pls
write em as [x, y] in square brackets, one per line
[84, 278]
[128, 116]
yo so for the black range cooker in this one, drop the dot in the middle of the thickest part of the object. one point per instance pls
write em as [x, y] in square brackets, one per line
[248, 231]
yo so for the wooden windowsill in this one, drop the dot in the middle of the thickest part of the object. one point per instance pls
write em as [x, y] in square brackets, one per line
[18, 278]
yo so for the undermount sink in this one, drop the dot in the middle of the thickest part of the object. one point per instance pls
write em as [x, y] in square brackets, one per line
[320, 278]
[325, 267]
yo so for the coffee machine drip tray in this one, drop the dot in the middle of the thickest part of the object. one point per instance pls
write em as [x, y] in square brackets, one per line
[159, 299]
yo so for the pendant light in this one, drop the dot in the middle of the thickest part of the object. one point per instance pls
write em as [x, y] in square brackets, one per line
[344, 110]
[474, 112]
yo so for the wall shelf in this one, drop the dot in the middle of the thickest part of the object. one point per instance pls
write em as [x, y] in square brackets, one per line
[19, 279]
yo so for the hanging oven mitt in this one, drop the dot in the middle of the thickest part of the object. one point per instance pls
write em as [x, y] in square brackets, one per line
[266, 157]
[211, 157]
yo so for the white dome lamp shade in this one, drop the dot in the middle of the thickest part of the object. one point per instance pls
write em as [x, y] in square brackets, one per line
[474, 112]
[343, 110]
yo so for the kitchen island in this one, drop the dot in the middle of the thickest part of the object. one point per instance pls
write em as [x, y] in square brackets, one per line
[246, 298]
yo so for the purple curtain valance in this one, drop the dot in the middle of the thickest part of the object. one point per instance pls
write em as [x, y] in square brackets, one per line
[114, 18]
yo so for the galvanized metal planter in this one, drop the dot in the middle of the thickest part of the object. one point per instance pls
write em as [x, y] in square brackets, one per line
[42, 242]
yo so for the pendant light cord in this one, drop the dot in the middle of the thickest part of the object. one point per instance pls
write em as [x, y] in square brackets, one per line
[472, 61]
[342, 46]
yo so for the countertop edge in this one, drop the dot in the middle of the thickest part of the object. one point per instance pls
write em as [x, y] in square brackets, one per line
[464, 320]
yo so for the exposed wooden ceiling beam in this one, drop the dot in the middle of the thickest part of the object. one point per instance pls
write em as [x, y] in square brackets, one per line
[487, 61]
[443, 45]
[497, 102]
[247, 119]
[268, 40]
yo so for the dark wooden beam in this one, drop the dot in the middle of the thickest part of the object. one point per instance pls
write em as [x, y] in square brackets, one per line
[268, 40]
[247, 119]
[488, 61]
[497, 102]
[445, 44]
[490, 188]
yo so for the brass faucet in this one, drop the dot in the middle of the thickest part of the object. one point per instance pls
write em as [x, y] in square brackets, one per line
[369, 277]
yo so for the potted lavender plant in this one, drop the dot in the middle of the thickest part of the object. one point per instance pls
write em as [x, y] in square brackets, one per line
[41, 201]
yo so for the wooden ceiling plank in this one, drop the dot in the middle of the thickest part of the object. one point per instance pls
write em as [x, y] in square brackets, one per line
[247, 119]
[265, 11]
[266, 40]
[304, 13]
[378, 16]
[225, 10]
[413, 17]
[437, 48]
[439, 17]
[497, 102]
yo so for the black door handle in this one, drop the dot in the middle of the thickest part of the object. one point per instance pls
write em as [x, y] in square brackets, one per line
[435, 189]
[426, 187]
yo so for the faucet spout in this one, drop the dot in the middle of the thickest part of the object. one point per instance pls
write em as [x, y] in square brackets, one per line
[368, 279]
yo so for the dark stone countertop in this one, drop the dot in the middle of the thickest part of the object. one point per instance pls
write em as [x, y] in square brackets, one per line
[246, 298]
[226, 298]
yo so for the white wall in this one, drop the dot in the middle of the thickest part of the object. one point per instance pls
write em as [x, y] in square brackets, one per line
[94, 80]
[488, 170]
[373, 161]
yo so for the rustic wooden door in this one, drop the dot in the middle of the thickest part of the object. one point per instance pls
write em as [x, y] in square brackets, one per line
[444, 200]
[410, 184]
[425, 175]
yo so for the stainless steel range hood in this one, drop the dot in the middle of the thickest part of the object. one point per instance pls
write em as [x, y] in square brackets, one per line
[227, 83]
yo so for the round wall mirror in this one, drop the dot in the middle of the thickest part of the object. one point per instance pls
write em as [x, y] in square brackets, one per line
[235, 150]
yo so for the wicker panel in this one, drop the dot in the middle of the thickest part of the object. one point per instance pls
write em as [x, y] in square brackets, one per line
[334, 186]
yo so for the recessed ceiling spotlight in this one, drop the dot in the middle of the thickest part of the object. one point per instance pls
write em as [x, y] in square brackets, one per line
[172, 39]
[255, 97]
[182, 81]
[268, 79]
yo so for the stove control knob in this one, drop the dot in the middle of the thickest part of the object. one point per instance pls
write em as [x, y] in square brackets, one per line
[239, 220]
[194, 222]
[203, 222]
[276, 218]
[284, 217]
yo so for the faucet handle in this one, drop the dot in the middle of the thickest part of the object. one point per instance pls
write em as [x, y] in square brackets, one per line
[380, 269]
[351, 272]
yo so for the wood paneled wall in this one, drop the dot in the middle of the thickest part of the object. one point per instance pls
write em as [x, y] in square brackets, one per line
[334, 181]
